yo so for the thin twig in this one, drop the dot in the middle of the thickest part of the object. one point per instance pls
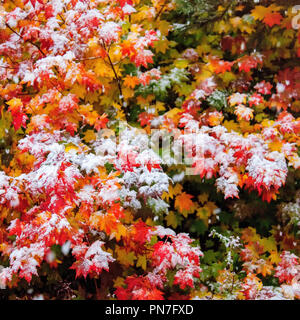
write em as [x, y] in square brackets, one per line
[160, 11]
[118, 82]
[11, 29]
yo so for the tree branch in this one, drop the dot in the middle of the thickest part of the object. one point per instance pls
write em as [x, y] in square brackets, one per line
[11, 29]
[124, 106]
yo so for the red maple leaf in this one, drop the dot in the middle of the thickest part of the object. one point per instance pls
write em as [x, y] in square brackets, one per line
[221, 66]
[101, 122]
[145, 118]
[272, 18]
[246, 63]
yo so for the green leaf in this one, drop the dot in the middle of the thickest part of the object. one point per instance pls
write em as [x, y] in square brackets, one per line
[218, 99]
[209, 257]
[198, 227]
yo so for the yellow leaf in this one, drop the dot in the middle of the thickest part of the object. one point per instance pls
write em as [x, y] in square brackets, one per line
[89, 136]
[172, 220]
[78, 90]
[211, 207]
[93, 43]
[275, 146]
[203, 213]
[119, 282]
[115, 54]
[274, 257]
[204, 74]
[143, 13]
[164, 27]
[265, 269]
[128, 217]
[142, 262]
[236, 21]
[127, 93]
[231, 126]
[92, 97]
[161, 46]
[150, 222]
[102, 69]
[160, 106]
[173, 113]
[177, 189]
[267, 123]
[124, 257]
[246, 28]
[203, 198]
[120, 115]
[71, 147]
[203, 49]
[172, 191]
[227, 77]
[259, 12]
[269, 244]
[145, 100]
[15, 103]
[221, 27]
[121, 232]
[181, 63]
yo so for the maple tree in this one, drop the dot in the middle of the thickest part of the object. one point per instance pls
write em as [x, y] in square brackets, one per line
[88, 210]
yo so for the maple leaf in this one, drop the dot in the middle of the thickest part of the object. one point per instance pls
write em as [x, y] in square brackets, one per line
[272, 19]
[126, 258]
[264, 87]
[145, 118]
[265, 268]
[184, 203]
[91, 259]
[141, 234]
[33, 2]
[121, 232]
[67, 71]
[142, 262]
[288, 267]
[123, 3]
[172, 219]
[142, 58]
[255, 100]
[203, 198]
[246, 63]
[259, 12]
[221, 66]
[101, 122]
[237, 98]
[274, 257]
[251, 286]
[131, 81]
[185, 278]
[89, 135]
[243, 113]
[138, 288]
[16, 109]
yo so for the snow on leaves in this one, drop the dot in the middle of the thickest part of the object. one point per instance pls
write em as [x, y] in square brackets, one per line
[174, 254]
[91, 259]
[72, 181]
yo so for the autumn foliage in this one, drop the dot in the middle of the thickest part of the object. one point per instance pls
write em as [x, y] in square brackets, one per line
[88, 210]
